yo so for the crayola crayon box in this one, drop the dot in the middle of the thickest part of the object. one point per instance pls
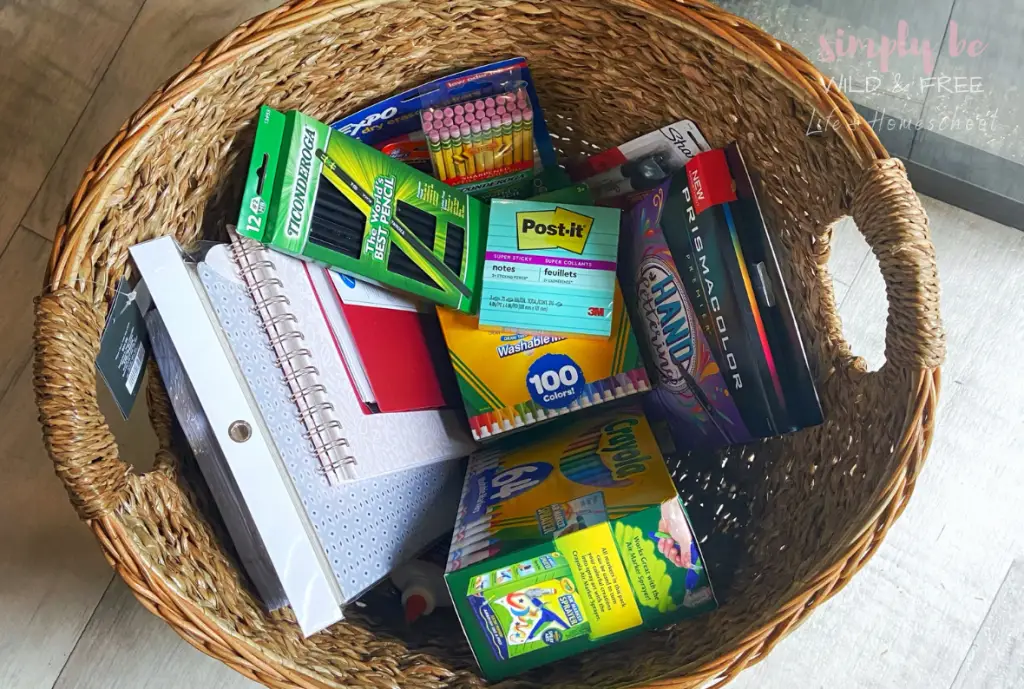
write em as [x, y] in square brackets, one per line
[570, 539]
[326, 197]
[511, 380]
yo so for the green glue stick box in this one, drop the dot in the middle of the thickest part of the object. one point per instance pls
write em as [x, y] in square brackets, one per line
[568, 539]
[327, 198]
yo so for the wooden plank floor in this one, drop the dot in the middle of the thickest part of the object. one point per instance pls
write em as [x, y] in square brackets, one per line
[939, 607]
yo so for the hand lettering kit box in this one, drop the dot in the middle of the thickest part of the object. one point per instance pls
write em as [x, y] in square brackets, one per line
[325, 197]
[570, 540]
[511, 380]
[700, 274]
[549, 267]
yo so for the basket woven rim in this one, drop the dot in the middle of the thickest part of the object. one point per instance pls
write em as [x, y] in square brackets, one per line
[733, 34]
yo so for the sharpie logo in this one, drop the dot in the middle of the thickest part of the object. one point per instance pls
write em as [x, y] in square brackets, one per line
[667, 317]
[557, 229]
[297, 204]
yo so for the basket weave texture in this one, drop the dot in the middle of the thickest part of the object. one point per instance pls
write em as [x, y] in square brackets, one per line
[789, 521]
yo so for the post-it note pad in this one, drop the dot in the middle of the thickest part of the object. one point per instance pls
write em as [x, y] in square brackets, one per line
[550, 267]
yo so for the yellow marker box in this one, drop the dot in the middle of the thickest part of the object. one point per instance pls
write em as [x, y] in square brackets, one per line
[570, 540]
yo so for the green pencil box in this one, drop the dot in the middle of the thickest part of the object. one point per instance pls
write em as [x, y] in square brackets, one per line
[325, 197]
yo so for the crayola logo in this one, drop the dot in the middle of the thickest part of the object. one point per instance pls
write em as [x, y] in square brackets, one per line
[557, 229]
[605, 456]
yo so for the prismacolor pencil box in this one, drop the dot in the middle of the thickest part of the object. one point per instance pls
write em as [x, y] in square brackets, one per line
[700, 274]
[511, 380]
[325, 197]
[573, 538]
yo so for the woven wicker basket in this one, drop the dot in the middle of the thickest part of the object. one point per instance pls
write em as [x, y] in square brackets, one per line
[799, 515]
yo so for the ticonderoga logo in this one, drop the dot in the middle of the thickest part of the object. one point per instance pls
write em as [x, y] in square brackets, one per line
[297, 205]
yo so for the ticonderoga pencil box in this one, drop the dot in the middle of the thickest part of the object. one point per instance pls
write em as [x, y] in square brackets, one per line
[568, 540]
[698, 269]
[511, 380]
[326, 197]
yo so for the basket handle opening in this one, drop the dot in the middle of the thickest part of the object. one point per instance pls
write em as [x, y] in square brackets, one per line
[890, 216]
[75, 432]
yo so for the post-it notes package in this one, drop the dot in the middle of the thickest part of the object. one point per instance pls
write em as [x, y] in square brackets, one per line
[698, 269]
[572, 539]
[549, 267]
[325, 197]
[512, 380]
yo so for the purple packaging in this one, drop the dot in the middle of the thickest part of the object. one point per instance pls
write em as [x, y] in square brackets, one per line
[691, 392]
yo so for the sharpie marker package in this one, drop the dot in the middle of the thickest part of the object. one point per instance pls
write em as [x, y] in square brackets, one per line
[699, 271]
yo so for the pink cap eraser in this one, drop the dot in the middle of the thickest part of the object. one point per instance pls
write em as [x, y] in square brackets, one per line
[495, 123]
[443, 135]
[528, 115]
[470, 117]
[459, 119]
[500, 110]
[448, 112]
[459, 110]
[489, 102]
[427, 126]
[465, 130]
[448, 122]
[490, 112]
[427, 115]
[506, 119]
[454, 131]
[517, 116]
[476, 127]
[434, 137]
[485, 125]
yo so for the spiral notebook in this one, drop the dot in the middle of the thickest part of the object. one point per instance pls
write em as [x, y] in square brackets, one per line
[303, 541]
[351, 441]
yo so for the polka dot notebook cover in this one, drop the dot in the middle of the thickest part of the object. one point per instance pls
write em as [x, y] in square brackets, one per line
[365, 526]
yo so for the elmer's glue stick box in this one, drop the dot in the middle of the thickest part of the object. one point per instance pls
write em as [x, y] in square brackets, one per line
[570, 539]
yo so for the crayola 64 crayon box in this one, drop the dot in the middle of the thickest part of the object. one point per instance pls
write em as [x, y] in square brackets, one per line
[570, 540]
[325, 197]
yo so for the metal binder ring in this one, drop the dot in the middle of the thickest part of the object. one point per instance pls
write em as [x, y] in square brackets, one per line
[321, 427]
[269, 301]
[281, 318]
[290, 335]
[304, 371]
[314, 389]
[317, 408]
[266, 282]
[291, 354]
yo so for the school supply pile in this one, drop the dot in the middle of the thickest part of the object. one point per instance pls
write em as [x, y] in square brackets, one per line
[319, 402]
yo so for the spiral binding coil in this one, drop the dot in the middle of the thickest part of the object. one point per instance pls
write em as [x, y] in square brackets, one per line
[252, 264]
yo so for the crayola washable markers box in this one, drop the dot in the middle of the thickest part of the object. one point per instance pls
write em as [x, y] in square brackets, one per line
[570, 539]
[325, 197]
[549, 267]
[511, 380]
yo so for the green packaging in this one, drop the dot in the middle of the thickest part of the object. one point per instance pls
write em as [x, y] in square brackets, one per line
[325, 197]
[568, 539]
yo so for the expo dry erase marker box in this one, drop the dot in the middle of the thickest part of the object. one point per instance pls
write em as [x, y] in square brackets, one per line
[325, 197]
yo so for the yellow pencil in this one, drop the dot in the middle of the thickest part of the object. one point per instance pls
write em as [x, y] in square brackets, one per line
[506, 139]
[517, 136]
[467, 148]
[478, 151]
[457, 155]
[528, 134]
[487, 144]
[436, 157]
[446, 153]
